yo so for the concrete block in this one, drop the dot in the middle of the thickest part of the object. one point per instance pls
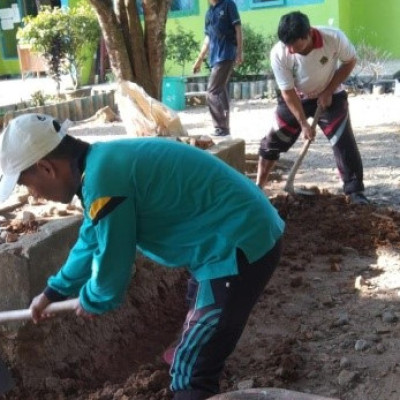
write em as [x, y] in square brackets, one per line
[71, 110]
[51, 109]
[26, 264]
[63, 111]
[232, 152]
[78, 109]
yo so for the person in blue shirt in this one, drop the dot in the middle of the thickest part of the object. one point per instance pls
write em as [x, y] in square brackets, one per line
[179, 205]
[223, 42]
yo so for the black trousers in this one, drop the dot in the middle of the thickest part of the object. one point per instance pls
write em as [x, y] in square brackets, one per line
[219, 310]
[335, 123]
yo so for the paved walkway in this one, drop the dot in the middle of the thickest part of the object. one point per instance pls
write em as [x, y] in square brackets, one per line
[14, 91]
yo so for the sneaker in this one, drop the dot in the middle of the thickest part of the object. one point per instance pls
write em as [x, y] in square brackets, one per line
[358, 198]
[221, 132]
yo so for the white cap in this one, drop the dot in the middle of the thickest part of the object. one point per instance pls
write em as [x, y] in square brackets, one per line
[26, 140]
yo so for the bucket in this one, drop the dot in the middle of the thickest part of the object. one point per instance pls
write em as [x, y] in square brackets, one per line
[245, 90]
[173, 92]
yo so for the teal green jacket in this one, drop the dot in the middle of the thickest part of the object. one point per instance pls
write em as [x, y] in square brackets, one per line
[179, 205]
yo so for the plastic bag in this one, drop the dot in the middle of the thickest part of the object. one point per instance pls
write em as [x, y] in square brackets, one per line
[144, 116]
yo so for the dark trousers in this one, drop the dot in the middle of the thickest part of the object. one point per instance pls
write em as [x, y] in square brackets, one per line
[336, 125]
[218, 93]
[219, 309]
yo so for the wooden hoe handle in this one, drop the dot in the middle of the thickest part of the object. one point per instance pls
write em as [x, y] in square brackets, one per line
[289, 187]
[23, 315]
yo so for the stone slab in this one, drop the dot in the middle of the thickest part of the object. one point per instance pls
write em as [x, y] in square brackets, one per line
[26, 264]
[232, 151]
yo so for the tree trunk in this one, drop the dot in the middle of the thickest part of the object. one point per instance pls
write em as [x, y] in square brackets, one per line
[136, 49]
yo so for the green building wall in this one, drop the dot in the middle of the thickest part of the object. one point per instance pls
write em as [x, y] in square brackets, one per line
[374, 21]
[264, 20]
[9, 67]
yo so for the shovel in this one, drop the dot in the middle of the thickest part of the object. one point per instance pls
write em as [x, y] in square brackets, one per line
[289, 186]
[6, 380]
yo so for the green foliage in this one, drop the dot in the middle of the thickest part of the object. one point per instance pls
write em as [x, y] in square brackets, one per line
[256, 49]
[63, 36]
[38, 98]
[84, 35]
[181, 47]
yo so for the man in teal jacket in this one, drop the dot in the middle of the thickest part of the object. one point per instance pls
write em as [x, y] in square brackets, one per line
[178, 205]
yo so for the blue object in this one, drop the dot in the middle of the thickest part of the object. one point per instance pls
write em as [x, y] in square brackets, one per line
[173, 92]
[220, 24]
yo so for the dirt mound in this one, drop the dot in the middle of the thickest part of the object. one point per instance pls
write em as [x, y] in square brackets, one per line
[328, 322]
[327, 224]
[63, 357]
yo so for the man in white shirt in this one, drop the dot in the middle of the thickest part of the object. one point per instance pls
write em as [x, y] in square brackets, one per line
[310, 64]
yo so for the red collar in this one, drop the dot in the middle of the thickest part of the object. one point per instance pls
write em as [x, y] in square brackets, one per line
[316, 38]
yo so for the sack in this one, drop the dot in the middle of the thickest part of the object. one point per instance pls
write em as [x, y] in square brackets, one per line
[144, 116]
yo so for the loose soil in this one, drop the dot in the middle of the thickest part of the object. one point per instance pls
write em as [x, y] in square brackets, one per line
[328, 322]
